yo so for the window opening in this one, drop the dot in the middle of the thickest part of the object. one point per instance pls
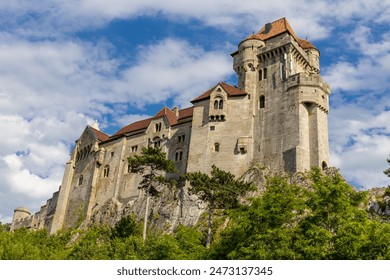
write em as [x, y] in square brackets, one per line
[216, 147]
[216, 104]
[262, 101]
[106, 171]
[80, 180]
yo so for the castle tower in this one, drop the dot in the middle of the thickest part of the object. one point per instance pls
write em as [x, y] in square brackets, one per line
[20, 213]
[289, 98]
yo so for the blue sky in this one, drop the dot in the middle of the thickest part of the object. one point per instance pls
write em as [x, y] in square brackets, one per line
[64, 64]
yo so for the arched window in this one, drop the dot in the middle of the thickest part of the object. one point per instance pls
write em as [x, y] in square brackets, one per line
[80, 180]
[262, 101]
[106, 170]
[179, 155]
[157, 142]
[216, 104]
[324, 165]
[216, 147]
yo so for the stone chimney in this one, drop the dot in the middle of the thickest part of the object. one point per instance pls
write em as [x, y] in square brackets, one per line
[176, 111]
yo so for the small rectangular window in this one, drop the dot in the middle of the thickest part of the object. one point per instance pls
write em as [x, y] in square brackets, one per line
[265, 73]
[112, 154]
[260, 75]
[134, 149]
[212, 127]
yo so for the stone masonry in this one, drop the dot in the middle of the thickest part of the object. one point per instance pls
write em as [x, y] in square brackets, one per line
[276, 116]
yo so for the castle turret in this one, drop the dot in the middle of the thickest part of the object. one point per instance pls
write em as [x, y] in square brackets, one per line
[246, 63]
[19, 214]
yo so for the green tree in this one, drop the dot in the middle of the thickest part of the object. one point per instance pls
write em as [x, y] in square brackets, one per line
[264, 229]
[335, 220]
[221, 190]
[152, 164]
[92, 244]
[322, 217]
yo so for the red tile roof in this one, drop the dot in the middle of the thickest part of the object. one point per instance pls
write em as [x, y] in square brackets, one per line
[186, 113]
[143, 124]
[101, 136]
[169, 114]
[276, 28]
[230, 90]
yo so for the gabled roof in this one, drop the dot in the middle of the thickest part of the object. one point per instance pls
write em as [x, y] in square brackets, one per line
[230, 90]
[139, 125]
[143, 124]
[276, 28]
[169, 114]
[101, 136]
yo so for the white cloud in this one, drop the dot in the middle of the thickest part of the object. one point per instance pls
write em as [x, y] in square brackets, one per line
[52, 85]
[360, 144]
[172, 68]
[51, 89]
[313, 19]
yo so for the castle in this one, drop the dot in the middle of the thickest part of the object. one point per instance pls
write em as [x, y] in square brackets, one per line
[276, 116]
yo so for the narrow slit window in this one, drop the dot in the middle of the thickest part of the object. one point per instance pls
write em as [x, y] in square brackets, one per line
[262, 101]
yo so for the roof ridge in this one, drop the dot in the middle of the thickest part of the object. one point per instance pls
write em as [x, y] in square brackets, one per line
[278, 27]
[229, 89]
[100, 135]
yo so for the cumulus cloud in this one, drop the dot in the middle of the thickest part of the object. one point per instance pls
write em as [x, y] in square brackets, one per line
[51, 89]
[360, 144]
[313, 19]
[172, 69]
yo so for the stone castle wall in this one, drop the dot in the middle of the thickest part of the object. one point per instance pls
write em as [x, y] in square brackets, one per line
[276, 117]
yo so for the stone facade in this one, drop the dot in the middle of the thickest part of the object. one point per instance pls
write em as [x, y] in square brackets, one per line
[276, 117]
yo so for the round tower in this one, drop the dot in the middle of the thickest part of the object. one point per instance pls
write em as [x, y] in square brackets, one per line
[246, 63]
[19, 214]
[314, 58]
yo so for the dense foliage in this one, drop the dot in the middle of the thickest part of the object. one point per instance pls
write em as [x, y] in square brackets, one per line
[318, 217]
[220, 190]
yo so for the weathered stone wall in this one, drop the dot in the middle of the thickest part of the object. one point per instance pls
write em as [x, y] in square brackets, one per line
[280, 122]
